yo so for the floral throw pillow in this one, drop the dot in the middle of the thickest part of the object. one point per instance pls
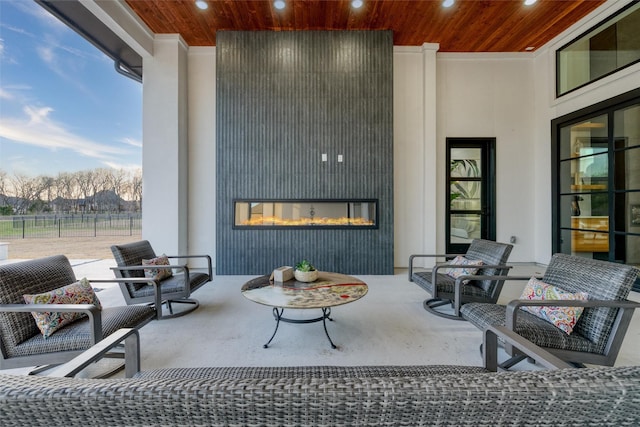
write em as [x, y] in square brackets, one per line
[564, 318]
[160, 273]
[79, 292]
[457, 272]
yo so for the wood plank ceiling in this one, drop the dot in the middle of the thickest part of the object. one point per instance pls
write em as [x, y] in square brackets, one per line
[467, 26]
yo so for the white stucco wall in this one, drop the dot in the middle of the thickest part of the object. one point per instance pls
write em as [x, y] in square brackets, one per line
[414, 142]
[489, 95]
[506, 96]
[164, 146]
[202, 151]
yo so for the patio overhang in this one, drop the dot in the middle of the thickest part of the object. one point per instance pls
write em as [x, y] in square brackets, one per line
[77, 17]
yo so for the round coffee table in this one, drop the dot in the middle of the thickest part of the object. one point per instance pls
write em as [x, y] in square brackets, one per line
[329, 290]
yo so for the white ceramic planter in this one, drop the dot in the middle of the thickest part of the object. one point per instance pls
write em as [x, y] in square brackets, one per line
[305, 276]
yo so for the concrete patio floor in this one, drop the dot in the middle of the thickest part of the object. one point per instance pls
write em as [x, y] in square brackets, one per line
[386, 327]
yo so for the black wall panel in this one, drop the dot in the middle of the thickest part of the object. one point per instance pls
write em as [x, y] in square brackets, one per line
[284, 99]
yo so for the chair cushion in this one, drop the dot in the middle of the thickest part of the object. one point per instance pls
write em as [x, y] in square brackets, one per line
[76, 336]
[564, 318]
[446, 285]
[79, 292]
[472, 268]
[173, 285]
[533, 328]
[157, 274]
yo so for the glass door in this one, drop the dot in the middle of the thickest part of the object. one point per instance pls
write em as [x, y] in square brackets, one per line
[596, 180]
[471, 189]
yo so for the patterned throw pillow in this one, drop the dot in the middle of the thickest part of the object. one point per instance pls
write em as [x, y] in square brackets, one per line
[457, 272]
[161, 273]
[564, 318]
[79, 292]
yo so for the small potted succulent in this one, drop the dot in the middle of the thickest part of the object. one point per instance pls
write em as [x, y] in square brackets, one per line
[305, 272]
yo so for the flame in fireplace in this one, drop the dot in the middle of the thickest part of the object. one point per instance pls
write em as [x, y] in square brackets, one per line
[274, 220]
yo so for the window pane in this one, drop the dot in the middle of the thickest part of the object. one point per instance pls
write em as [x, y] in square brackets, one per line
[627, 176]
[628, 249]
[569, 207]
[593, 171]
[586, 144]
[464, 228]
[629, 219]
[465, 162]
[465, 195]
[627, 127]
[612, 45]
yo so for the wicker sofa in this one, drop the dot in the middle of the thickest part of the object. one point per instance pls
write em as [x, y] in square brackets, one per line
[330, 395]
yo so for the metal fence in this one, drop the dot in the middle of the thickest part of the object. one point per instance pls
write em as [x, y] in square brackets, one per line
[72, 225]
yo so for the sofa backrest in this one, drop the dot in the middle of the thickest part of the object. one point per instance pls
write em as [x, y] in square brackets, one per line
[29, 277]
[589, 396]
[601, 280]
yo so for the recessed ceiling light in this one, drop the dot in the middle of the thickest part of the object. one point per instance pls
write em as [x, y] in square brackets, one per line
[529, 2]
[529, 48]
[356, 4]
[279, 4]
[447, 3]
[201, 4]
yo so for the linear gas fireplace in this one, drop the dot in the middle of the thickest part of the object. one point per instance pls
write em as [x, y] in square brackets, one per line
[260, 214]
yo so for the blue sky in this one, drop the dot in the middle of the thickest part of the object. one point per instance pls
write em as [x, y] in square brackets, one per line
[63, 107]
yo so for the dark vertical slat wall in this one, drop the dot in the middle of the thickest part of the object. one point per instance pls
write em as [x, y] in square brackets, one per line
[284, 99]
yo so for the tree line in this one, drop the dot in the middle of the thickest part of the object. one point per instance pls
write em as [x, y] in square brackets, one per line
[99, 190]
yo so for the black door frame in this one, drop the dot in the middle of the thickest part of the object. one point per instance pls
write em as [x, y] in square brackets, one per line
[488, 182]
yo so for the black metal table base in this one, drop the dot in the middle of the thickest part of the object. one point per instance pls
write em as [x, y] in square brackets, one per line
[277, 314]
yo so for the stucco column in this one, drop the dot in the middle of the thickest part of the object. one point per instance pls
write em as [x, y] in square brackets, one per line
[432, 163]
[164, 151]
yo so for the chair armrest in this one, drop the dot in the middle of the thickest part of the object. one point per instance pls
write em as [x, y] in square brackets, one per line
[512, 306]
[207, 257]
[131, 340]
[490, 349]
[150, 267]
[458, 289]
[93, 312]
[148, 280]
[457, 299]
[412, 257]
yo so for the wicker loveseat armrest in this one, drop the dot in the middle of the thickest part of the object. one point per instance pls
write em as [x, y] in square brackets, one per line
[131, 339]
[93, 312]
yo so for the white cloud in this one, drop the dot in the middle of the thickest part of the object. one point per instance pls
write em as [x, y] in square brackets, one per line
[38, 129]
[16, 29]
[131, 141]
[5, 95]
[46, 54]
[125, 166]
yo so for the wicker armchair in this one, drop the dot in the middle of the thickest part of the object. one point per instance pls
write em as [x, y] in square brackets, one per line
[598, 334]
[446, 290]
[171, 290]
[21, 342]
